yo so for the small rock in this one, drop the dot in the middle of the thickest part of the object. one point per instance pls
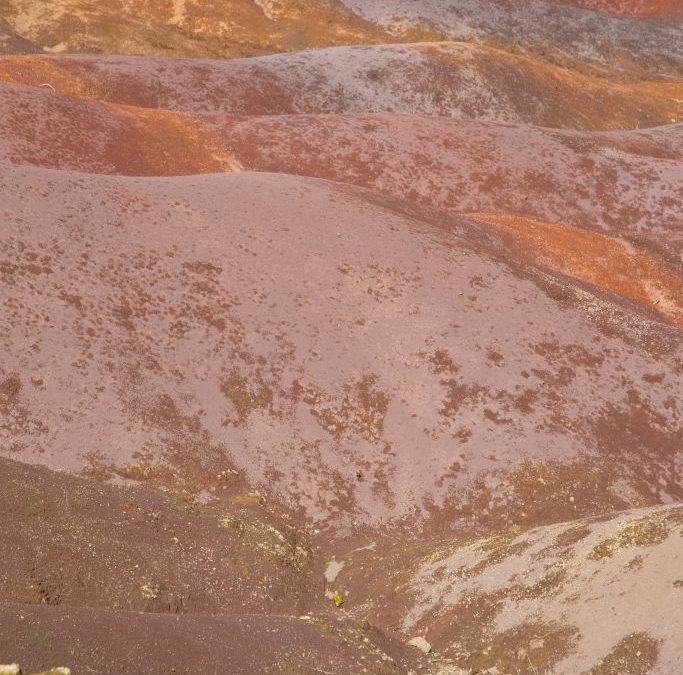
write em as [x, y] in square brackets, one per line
[421, 644]
[493, 671]
[521, 654]
[538, 643]
[332, 570]
[10, 669]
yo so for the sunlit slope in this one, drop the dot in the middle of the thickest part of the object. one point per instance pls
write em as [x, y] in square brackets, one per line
[440, 79]
[340, 354]
[189, 28]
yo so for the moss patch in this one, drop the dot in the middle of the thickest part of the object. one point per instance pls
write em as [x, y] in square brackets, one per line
[246, 398]
[260, 534]
[572, 535]
[636, 654]
[528, 648]
[550, 583]
[646, 531]
[361, 409]
[10, 388]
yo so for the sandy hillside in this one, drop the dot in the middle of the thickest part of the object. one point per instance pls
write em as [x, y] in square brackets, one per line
[341, 337]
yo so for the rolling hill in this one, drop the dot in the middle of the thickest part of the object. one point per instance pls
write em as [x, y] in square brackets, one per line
[341, 337]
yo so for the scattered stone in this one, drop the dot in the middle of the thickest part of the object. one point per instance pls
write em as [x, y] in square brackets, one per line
[14, 669]
[421, 644]
[332, 570]
[454, 670]
[537, 643]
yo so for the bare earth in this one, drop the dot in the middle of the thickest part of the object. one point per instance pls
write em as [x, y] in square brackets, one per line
[375, 300]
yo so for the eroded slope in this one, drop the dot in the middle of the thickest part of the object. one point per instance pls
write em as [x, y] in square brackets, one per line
[434, 384]
[438, 79]
[559, 33]
[189, 28]
[528, 601]
[319, 353]
[39, 126]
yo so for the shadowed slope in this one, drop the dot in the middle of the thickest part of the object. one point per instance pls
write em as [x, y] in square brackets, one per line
[73, 542]
[176, 585]
[11, 43]
[160, 644]
[341, 356]
[46, 128]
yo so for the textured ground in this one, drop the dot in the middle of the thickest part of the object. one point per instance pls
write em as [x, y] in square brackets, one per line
[439, 79]
[397, 317]
[467, 595]
[634, 8]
